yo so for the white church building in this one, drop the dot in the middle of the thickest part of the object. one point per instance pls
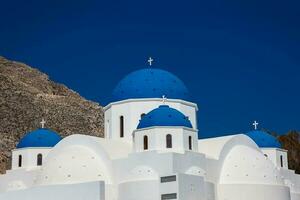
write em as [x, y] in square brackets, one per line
[150, 151]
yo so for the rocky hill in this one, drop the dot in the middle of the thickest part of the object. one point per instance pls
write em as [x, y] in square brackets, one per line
[291, 142]
[27, 95]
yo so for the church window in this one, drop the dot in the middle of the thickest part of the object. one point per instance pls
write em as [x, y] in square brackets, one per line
[145, 142]
[169, 141]
[281, 161]
[190, 142]
[20, 161]
[169, 196]
[166, 179]
[39, 159]
[121, 126]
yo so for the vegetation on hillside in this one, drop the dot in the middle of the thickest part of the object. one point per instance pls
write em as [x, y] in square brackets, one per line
[291, 142]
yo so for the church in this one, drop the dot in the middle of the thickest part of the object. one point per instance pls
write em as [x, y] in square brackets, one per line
[150, 151]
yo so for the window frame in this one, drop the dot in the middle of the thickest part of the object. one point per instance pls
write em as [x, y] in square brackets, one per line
[121, 124]
[20, 160]
[39, 159]
[146, 142]
[281, 160]
[190, 138]
[169, 142]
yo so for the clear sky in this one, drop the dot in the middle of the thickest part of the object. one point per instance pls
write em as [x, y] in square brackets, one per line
[239, 59]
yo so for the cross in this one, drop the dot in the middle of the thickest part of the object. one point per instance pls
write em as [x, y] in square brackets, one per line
[255, 124]
[164, 98]
[150, 60]
[43, 122]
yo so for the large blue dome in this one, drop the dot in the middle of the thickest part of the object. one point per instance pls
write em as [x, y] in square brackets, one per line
[164, 116]
[263, 139]
[150, 83]
[39, 138]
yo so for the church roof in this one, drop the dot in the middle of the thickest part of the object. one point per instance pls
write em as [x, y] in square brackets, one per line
[164, 116]
[39, 138]
[263, 139]
[150, 83]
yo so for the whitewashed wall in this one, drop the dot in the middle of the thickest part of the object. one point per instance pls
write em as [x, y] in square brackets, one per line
[132, 110]
[157, 139]
[274, 155]
[139, 190]
[82, 191]
[29, 156]
[17, 179]
[251, 191]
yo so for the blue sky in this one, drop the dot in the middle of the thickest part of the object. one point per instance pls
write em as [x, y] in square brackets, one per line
[239, 59]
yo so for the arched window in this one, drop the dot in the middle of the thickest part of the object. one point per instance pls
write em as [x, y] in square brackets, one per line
[281, 161]
[20, 161]
[145, 142]
[39, 159]
[121, 126]
[190, 143]
[169, 141]
[142, 115]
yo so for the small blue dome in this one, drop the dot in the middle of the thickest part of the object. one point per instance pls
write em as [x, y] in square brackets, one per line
[164, 116]
[39, 138]
[263, 139]
[150, 83]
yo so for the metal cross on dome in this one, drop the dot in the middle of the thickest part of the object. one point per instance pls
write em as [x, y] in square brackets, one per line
[255, 124]
[43, 122]
[150, 60]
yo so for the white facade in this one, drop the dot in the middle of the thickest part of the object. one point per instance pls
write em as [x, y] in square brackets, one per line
[131, 110]
[28, 157]
[183, 139]
[277, 156]
[152, 163]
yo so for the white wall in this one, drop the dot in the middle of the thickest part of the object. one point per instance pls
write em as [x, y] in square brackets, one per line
[246, 165]
[74, 155]
[185, 186]
[17, 179]
[82, 191]
[291, 180]
[295, 196]
[274, 155]
[152, 165]
[139, 190]
[29, 156]
[253, 191]
[133, 108]
[157, 139]
[191, 187]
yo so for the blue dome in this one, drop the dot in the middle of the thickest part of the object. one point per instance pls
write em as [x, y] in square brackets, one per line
[39, 138]
[164, 116]
[263, 139]
[150, 83]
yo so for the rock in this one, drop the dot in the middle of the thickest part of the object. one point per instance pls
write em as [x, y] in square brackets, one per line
[27, 95]
[291, 142]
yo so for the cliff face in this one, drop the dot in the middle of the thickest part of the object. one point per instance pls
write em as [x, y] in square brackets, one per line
[27, 95]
